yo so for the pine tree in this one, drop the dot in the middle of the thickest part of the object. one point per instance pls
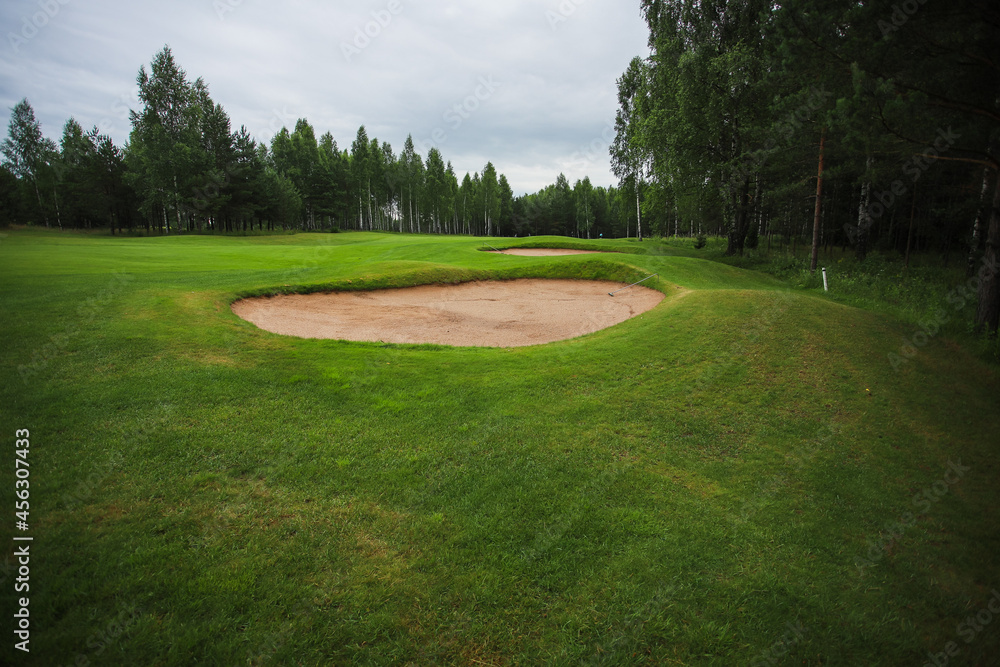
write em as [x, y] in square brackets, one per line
[491, 197]
[361, 176]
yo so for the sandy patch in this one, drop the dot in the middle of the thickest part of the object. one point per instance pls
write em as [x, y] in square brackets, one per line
[486, 314]
[546, 252]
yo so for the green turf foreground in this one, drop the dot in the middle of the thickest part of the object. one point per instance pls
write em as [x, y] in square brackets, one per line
[740, 476]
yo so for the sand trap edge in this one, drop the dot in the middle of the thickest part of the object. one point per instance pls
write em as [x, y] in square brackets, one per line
[487, 313]
[545, 252]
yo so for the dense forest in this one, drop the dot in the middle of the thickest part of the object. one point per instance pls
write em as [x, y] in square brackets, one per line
[874, 125]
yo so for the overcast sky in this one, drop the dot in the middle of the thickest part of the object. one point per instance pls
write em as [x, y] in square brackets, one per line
[527, 85]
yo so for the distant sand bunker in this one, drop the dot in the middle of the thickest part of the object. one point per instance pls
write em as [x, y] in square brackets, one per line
[546, 252]
[486, 314]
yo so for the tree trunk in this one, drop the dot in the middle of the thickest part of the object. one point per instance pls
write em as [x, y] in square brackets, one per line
[827, 241]
[819, 205]
[177, 206]
[864, 218]
[977, 225]
[55, 200]
[638, 211]
[370, 228]
[909, 233]
[988, 312]
[738, 231]
[41, 207]
[759, 197]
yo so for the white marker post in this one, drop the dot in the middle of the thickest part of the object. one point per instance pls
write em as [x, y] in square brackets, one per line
[826, 288]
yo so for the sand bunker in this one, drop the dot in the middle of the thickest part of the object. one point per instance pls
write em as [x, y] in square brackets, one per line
[546, 252]
[486, 314]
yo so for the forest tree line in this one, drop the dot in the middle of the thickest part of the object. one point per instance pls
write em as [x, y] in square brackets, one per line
[185, 169]
[870, 125]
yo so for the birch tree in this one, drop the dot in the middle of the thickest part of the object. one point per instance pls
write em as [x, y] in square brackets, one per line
[26, 151]
[165, 132]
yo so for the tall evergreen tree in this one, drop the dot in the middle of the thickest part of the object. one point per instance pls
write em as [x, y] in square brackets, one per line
[361, 177]
[246, 176]
[411, 168]
[505, 223]
[583, 195]
[465, 202]
[334, 176]
[490, 197]
[80, 194]
[436, 189]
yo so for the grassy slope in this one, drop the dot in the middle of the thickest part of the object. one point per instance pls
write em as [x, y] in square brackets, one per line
[676, 489]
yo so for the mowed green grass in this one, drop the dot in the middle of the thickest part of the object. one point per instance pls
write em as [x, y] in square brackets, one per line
[731, 478]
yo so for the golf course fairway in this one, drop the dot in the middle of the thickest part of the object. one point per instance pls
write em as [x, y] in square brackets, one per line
[738, 476]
